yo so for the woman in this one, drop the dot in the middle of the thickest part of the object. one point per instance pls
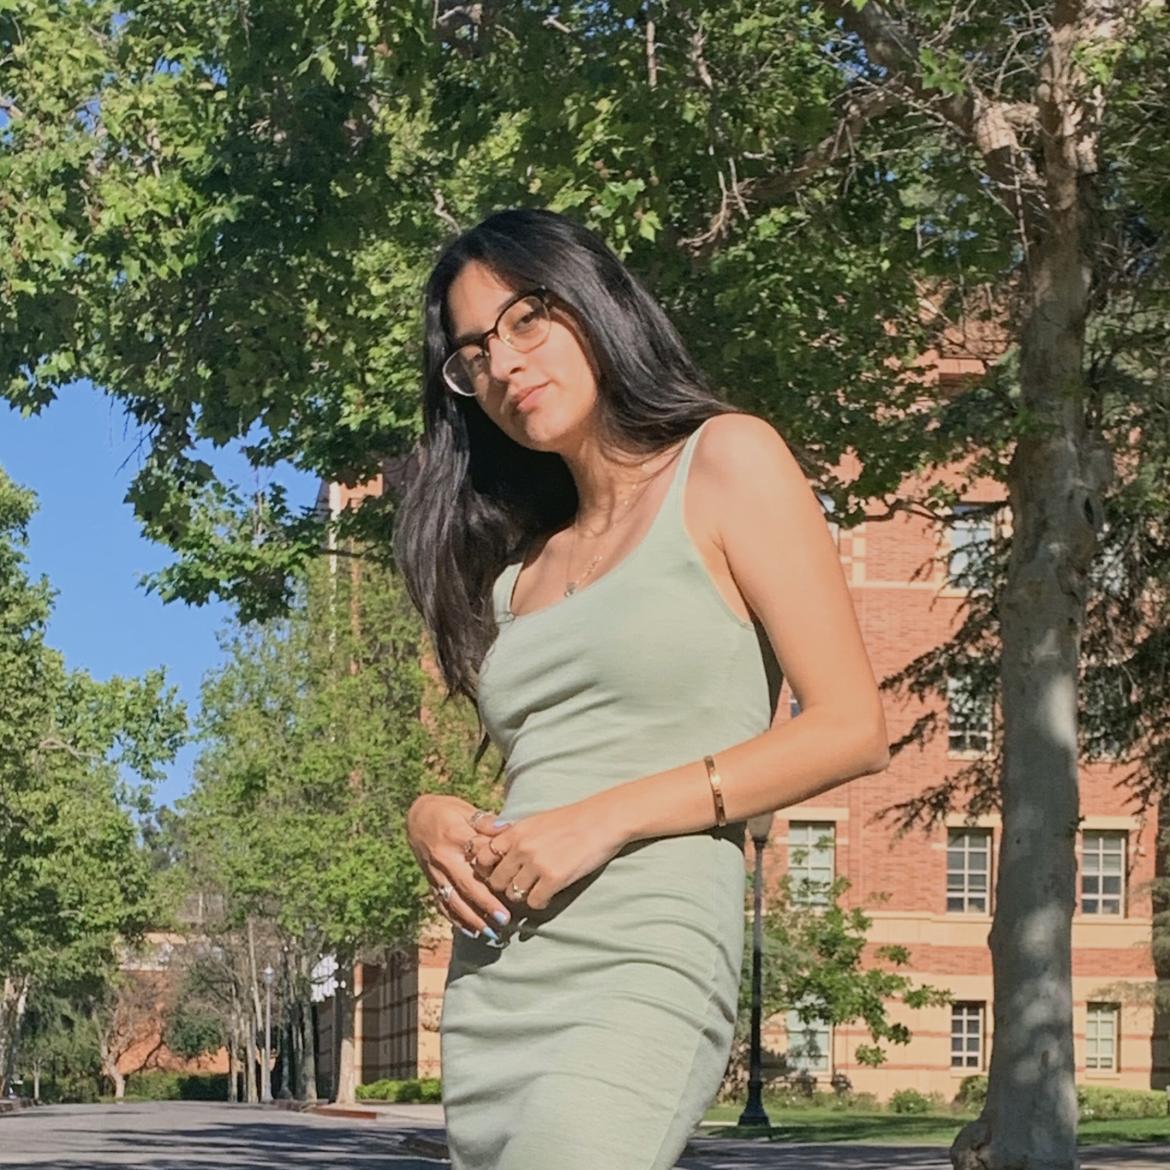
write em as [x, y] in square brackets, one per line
[610, 562]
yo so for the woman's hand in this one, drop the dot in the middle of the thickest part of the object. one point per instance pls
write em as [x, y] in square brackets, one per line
[537, 857]
[438, 828]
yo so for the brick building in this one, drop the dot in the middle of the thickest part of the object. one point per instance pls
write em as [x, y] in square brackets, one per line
[936, 888]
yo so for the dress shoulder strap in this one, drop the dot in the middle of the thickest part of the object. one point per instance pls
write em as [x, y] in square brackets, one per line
[678, 481]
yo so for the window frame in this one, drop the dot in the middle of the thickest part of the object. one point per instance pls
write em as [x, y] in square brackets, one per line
[967, 516]
[982, 726]
[1098, 855]
[979, 1015]
[965, 892]
[793, 1026]
[1096, 1011]
[807, 890]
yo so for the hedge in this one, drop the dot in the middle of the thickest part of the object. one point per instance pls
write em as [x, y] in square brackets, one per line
[428, 1089]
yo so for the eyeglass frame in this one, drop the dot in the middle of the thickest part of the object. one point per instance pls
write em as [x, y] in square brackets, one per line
[480, 341]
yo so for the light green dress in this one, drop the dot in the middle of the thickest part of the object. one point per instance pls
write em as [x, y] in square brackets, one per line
[596, 1036]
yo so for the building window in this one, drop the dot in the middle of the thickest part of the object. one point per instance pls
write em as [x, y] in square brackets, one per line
[968, 871]
[810, 1045]
[970, 531]
[1107, 707]
[811, 847]
[968, 719]
[1102, 872]
[967, 1035]
[1101, 1037]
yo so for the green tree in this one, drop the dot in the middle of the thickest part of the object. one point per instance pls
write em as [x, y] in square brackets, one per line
[816, 964]
[74, 882]
[314, 751]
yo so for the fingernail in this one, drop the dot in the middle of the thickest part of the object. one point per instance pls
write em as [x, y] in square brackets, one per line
[491, 934]
[502, 824]
[469, 933]
[502, 917]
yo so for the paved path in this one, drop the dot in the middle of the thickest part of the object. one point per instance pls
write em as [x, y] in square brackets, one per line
[197, 1136]
[189, 1135]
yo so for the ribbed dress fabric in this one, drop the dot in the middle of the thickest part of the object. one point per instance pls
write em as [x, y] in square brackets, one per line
[596, 1035]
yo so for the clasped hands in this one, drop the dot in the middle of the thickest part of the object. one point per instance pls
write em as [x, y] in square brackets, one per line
[481, 870]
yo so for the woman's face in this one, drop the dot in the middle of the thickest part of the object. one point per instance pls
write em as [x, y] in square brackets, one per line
[544, 399]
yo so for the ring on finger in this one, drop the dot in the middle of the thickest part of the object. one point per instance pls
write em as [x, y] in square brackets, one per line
[478, 816]
[469, 848]
[445, 892]
[492, 847]
[518, 893]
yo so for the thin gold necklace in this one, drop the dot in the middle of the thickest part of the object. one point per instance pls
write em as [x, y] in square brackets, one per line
[635, 493]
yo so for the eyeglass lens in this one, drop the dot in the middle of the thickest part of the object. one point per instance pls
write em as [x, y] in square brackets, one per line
[522, 327]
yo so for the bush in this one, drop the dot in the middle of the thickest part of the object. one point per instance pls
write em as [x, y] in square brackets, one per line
[972, 1093]
[427, 1090]
[203, 1087]
[157, 1085]
[909, 1101]
[844, 1102]
[1098, 1101]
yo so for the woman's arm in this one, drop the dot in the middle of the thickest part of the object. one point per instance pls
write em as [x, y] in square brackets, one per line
[760, 511]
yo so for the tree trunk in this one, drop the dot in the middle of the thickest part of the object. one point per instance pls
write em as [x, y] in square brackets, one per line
[307, 1063]
[285, 1047]
[233, 1065]
[113, 1074]
[13, 999]
[258, 1013]
[1055, 479]
[343, 1007]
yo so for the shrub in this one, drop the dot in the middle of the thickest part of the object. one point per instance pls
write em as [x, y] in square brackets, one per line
[1099, 1101]
[427, 1090]
[159, 1085]
[844, 1102]
[154, 1085]
[203, 1087]
[972, 1093]
[909, 1101]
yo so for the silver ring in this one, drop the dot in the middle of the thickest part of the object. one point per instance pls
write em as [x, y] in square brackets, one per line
[445, 892]
[469, 848]
[478, 816]
[517, 892]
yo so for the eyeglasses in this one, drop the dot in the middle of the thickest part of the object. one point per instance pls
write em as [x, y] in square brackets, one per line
[522, 325]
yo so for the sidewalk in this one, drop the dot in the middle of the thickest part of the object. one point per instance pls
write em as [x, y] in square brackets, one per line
[421, 1129]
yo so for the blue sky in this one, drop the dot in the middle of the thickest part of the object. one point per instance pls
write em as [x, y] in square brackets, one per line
[79, 456]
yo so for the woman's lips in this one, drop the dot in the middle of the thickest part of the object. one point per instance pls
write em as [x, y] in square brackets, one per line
[530, 398]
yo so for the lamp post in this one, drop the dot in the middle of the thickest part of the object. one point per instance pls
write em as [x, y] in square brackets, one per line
[753, 1113]
[266, 1067]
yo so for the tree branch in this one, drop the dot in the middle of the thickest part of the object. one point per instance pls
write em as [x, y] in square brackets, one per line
[989, 125]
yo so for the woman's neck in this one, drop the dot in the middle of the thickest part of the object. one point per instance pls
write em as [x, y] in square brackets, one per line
[606, 479]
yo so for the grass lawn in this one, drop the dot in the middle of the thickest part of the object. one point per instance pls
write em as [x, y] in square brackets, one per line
[828, 1125]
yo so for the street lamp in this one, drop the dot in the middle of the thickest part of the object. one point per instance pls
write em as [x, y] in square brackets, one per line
[753, 1114]
[266, 1067]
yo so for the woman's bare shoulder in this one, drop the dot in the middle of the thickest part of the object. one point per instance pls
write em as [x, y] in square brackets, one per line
[739, 456]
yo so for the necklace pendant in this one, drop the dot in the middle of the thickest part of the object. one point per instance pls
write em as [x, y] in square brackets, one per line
[571, 588]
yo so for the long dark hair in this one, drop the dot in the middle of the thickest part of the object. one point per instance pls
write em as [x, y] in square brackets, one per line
[477, 498]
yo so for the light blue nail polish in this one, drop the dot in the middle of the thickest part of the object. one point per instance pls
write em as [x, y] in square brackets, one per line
[469, 933]
[502, 824]
[502, 917]
[491, 934]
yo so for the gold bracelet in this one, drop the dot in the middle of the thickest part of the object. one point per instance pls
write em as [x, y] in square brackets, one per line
[716, 790]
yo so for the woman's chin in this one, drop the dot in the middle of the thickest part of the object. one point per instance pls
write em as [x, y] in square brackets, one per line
[544, 429]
